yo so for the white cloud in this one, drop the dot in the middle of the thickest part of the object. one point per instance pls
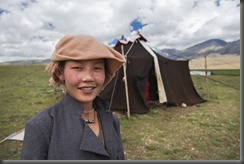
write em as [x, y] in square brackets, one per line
[31, 28]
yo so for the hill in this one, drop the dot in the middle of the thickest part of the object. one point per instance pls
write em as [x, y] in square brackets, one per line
[27, 62]
[206, 48]
[212, 47]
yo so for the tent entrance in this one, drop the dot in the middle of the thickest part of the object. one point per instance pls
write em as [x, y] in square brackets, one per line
[151, 89]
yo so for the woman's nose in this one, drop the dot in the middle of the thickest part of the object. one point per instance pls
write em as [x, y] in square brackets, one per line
[87, 76]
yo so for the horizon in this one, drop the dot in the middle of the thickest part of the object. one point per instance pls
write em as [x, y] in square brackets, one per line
[48, 58]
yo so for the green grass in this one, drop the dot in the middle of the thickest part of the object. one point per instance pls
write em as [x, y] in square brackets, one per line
[226, 72]
[24, 91]
[207, 131]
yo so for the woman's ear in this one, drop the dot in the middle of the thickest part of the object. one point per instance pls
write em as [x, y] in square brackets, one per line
[59, 74]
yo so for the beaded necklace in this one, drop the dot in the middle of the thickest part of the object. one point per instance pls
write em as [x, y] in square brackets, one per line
[90, 121]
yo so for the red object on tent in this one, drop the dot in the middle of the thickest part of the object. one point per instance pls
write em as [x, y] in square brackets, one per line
[147, 94]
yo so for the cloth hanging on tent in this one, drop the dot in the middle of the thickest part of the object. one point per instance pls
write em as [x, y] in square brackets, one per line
[161, 91]
[147, 94]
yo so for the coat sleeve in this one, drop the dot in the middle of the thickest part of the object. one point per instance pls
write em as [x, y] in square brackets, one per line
[35, 143]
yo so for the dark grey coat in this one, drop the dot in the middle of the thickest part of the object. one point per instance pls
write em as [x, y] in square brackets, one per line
[59, 133]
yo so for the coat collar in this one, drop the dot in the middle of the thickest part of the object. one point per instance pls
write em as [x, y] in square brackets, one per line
[107, 123]
[89, 141]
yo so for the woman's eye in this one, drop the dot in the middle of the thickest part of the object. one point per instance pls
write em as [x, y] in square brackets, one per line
[77, 68]
[98, 68]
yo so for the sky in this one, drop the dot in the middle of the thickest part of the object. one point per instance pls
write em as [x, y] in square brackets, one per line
[30, 29]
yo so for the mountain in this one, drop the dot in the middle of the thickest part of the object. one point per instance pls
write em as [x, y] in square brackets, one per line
[209, 47]
[231, 48]
[27, 62]
[212, 46]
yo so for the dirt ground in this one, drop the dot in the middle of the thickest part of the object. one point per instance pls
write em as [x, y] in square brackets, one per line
[216, 61]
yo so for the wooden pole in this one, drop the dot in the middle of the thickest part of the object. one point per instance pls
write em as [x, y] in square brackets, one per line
[206, 78]
[126, 86]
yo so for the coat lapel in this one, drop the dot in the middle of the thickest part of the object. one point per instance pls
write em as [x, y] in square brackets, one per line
[107, 125]
[91, 143]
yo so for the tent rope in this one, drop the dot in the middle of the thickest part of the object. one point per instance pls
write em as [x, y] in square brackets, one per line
[111, 99]
[129, 49]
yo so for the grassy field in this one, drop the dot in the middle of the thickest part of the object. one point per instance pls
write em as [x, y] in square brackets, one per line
[207, 131]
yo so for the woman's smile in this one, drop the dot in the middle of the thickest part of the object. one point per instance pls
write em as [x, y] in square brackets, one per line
[87, 89]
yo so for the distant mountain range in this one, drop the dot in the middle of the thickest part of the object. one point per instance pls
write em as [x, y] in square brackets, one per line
[27, 62]
[212, 46]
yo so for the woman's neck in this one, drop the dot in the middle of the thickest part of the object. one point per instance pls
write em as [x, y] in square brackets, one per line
[87, 106]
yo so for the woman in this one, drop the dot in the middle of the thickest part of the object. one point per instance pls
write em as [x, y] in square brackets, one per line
[79, 127]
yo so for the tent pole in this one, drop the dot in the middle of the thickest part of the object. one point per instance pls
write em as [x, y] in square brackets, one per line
[126, 86]
[206, 78]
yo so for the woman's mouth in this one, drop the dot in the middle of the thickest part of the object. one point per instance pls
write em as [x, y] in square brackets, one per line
[87, 89]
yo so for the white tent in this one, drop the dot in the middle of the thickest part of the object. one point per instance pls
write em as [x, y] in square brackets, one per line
[15, 136]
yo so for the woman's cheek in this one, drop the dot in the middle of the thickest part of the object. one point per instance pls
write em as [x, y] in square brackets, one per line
[72, 79]
[101, 79]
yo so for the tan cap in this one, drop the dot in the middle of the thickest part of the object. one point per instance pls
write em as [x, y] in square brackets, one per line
[85, 47]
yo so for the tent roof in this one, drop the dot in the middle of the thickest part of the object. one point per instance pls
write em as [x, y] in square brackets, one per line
[138, 36]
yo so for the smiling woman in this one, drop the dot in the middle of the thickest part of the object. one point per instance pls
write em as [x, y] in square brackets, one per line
[79, 127]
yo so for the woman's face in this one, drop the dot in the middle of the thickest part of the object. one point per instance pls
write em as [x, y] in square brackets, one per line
[84, 79]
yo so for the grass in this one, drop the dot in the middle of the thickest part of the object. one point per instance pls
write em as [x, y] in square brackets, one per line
[225, 72]
[207, 131]
[24, 91]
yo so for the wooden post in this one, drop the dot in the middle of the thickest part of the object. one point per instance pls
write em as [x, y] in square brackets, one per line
[206, 78]
[126, 85]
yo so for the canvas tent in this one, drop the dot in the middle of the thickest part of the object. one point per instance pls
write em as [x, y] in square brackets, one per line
[150, 77]
[15, 136]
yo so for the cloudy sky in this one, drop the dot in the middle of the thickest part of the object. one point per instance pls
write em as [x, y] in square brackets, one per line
[29, 29]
